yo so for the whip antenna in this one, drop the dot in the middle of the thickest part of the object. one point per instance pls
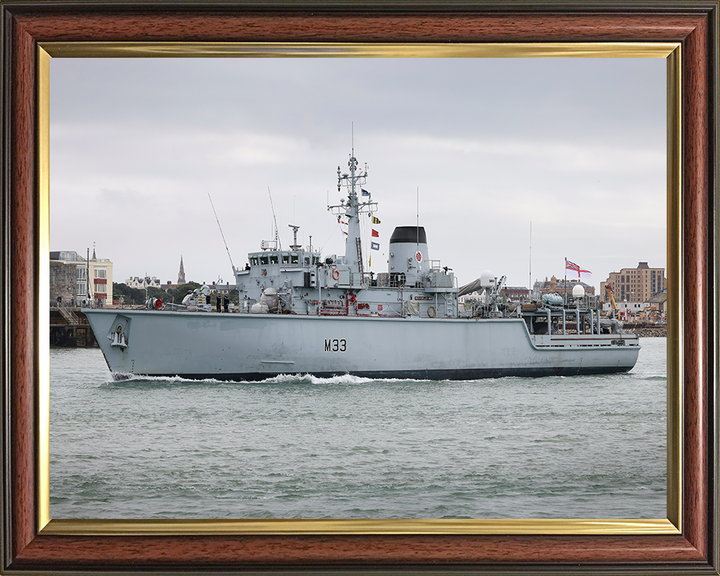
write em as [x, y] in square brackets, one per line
[221, 232]
[417, 219]
[277, 234]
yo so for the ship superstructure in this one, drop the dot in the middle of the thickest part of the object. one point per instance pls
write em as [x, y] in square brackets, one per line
[302, 281]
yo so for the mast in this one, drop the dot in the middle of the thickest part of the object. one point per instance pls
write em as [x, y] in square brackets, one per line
[87, 279]
[352, 244]
[351, 209]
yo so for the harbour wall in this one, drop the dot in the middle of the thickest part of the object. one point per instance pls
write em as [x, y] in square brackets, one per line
[69, 328]
[645, 330]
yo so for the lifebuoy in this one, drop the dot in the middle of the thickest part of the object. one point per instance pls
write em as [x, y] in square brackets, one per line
[431, 312]
[336, 274]
[158, 303]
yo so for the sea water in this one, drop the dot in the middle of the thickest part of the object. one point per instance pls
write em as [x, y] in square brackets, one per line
[348, 447]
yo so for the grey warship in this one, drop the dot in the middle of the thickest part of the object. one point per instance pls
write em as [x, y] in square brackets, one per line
[304, 313]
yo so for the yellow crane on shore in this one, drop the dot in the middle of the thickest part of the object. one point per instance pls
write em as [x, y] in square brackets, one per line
[609, 292]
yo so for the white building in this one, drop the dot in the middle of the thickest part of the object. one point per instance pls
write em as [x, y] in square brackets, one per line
[142, 282]
[627, 310]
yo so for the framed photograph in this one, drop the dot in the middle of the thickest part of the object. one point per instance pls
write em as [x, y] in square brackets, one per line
[495, 162]
[684, 37]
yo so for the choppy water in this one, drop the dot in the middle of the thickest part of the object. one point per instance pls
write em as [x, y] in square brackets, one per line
[556, 447]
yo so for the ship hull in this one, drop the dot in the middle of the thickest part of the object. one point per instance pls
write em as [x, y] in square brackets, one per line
[259, 346]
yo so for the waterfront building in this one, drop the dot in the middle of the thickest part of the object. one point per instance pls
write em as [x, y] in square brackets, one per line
[512, 293]
[142, 282]
[515, 293]
[639, 284]
[653, 311]
[68, 277]
[63, 279]
[561, 286]
[626, 309]
[659, 301]
[222, 288]
[99, 270]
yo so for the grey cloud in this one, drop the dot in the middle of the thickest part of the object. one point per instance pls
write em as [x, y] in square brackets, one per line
[577, 146]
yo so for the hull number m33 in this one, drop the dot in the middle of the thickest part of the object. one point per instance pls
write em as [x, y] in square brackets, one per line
[335, 345]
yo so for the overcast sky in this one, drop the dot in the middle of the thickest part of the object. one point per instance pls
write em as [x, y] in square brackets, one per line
[577, 146]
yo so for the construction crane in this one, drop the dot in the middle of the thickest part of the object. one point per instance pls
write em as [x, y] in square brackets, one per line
[609, 292]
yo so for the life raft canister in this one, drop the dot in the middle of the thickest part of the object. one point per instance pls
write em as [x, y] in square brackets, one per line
[336, 274]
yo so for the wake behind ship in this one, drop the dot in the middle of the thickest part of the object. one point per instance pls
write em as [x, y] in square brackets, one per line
[304, 313]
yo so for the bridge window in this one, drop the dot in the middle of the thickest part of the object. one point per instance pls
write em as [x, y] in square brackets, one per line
[286, 258]
[264, 260]
[273, 258]
[253, 260]
[294, 258]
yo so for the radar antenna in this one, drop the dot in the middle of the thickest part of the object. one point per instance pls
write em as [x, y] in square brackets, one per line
[295, 245]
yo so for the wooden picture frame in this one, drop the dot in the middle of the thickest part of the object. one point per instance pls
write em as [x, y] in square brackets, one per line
[31, 544]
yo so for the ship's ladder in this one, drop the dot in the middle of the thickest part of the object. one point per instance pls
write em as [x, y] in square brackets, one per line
[69, 315]
[359, 254]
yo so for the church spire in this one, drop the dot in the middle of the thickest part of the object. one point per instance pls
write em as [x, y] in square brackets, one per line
[181, 273]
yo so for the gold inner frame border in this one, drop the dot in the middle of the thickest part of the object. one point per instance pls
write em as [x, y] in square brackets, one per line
[671, 51]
